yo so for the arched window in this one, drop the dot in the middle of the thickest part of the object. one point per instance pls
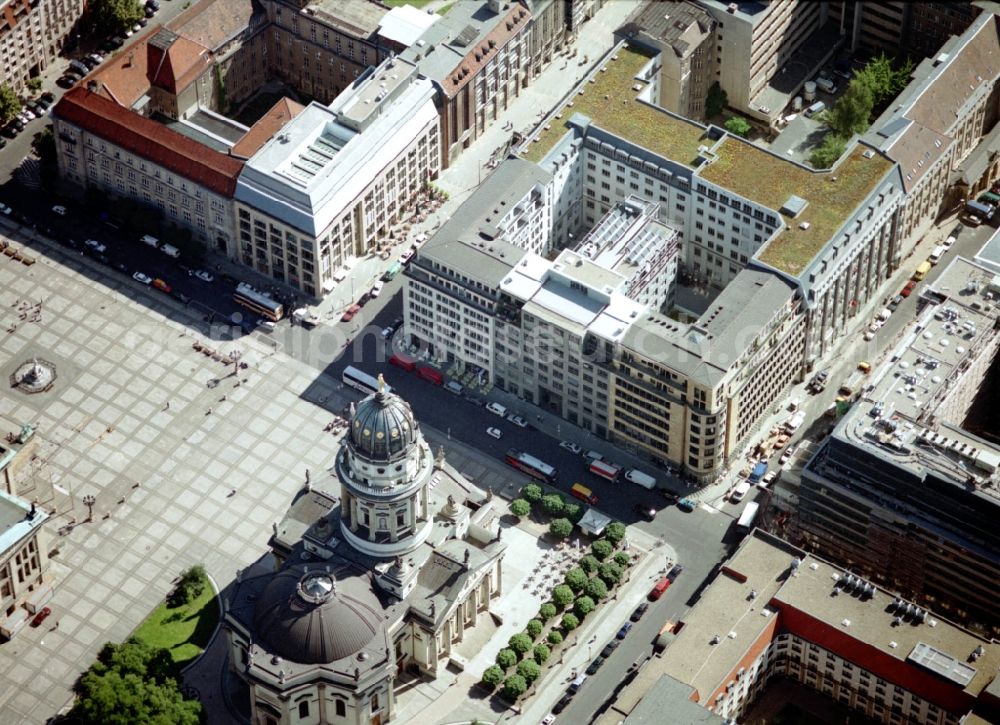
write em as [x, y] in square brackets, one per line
[340, 707]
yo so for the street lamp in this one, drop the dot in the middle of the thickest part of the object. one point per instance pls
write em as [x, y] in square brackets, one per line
[89, 502]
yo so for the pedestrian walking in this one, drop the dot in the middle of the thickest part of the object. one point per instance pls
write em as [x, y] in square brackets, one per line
[166, 406]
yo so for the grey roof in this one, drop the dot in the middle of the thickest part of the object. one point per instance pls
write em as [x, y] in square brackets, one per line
[316, 616]
[383, 428]
[680, 25]
[359, 18]
[468, 240]
[670, 695]
[447, 42]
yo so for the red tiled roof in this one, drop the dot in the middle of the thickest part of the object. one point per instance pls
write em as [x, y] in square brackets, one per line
[512, 24]
[123, 76]
[179, 66]
[150, 140]
[269, 124]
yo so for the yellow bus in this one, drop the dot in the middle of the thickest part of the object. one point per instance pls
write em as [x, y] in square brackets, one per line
[922, 271]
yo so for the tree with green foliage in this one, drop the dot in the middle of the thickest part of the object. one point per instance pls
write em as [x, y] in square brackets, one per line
[575, 579]
[602, 549]
[520, 507]
[506, 658]
[589, 563]
[529, 670]
[583, 606]
[562, 595]
[569, 622]
[884, 78]
[533, 628]
[560, 528]
[610, 572]
[541, 653]
[553, 504]
[112, 17]
[547, 611]
[573, 511]
[852, 111]
[555, 637]
[513, 687]
[532, 493]
[48, 162]
[615, 532]
[520, 643]
[34, 84]
[190, 585]
[826, 154]
[622, 559]
[492, 676]
[738, 126]
[596, 589]
[10, 105]
[715, 101]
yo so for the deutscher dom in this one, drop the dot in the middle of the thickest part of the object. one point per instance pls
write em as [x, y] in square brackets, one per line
[381, 570]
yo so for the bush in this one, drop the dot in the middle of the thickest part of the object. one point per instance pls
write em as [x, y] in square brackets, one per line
[596, 589]
[610, 572]
[506, 658]
[492, 676]
[553, 504]
[547, 611]
[520, 643]
[529, 670]
[602, 549]
[514, 686]
[189, 587]
[583, 606]
[532, 493]
[826, 154]
[589, 563]
[555, 637]
[542, 653]
[573, 511]
[576, 579]
[562, 595]
[623, 560]
[560, 528]
[615, 532]
[534, 628]
[520, 507]
[737, 126]
[569, 622]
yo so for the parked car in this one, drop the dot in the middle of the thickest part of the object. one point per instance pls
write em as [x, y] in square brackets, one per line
[686, 504]
[40, 616]
[768, 478]
[646, 512]
[675, 571]
[576, 684]
[561, 705]
[149, 12]
[595, 665]
[60, 210]
[377, 289]
[908, 289]
[162, 286]
[895, 302]
[571, 447]
[203, 275]
[639, 611]
[5, 210]
[786, 456]
[518, 421]
[658, 589]
[609, 648]
[98, 247]
[66, 82]
[142, 22]
[140, 277]
[494, 433]
[350, 312]
[623, 632]
[266, 324]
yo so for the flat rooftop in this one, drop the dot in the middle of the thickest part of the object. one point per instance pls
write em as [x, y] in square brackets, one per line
[15, 519]
[608, 97]
[769, 180]
[360, 18]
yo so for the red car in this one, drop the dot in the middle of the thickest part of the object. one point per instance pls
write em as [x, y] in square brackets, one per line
[350, 313]
[657, 591]
[161, 285]
[40, 616]
[905, 292]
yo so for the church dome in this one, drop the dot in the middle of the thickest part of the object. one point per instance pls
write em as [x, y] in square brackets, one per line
[383, 427]
[312, 618]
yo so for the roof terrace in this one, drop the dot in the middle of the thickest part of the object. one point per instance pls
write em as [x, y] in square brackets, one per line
[609, 98]
[831, 196]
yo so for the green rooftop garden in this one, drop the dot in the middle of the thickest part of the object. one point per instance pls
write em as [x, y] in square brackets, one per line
[610, 103]
[766, 179]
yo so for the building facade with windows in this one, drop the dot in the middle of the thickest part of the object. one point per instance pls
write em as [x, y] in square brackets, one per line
[32, 34]
[919, 28]
[405, 565]
[776, 611]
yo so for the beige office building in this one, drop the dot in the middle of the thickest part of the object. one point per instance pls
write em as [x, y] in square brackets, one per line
[32, 34]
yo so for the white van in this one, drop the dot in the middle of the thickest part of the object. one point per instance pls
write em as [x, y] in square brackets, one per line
[817, 107]
[936, 254]
[150, 240]
[741, 490]
[496, 409]
[170, 250]
[639, 478]
[827, 85]
[452, 387]
[377, 289]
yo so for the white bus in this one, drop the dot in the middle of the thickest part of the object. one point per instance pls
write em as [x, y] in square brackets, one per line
[362, 381]
[747, 517]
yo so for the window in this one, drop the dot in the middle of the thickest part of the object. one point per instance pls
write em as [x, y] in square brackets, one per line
[304, 709]
[340, 707]
[374, 702]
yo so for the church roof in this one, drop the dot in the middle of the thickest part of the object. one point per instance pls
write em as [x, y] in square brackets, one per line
[383, 427]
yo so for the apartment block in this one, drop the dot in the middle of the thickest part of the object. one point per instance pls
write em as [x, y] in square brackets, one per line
[327, 187]
[914, 29]
[32, 34]
[775, 611]
[900, 488]
[685, 35]
[754, 40]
